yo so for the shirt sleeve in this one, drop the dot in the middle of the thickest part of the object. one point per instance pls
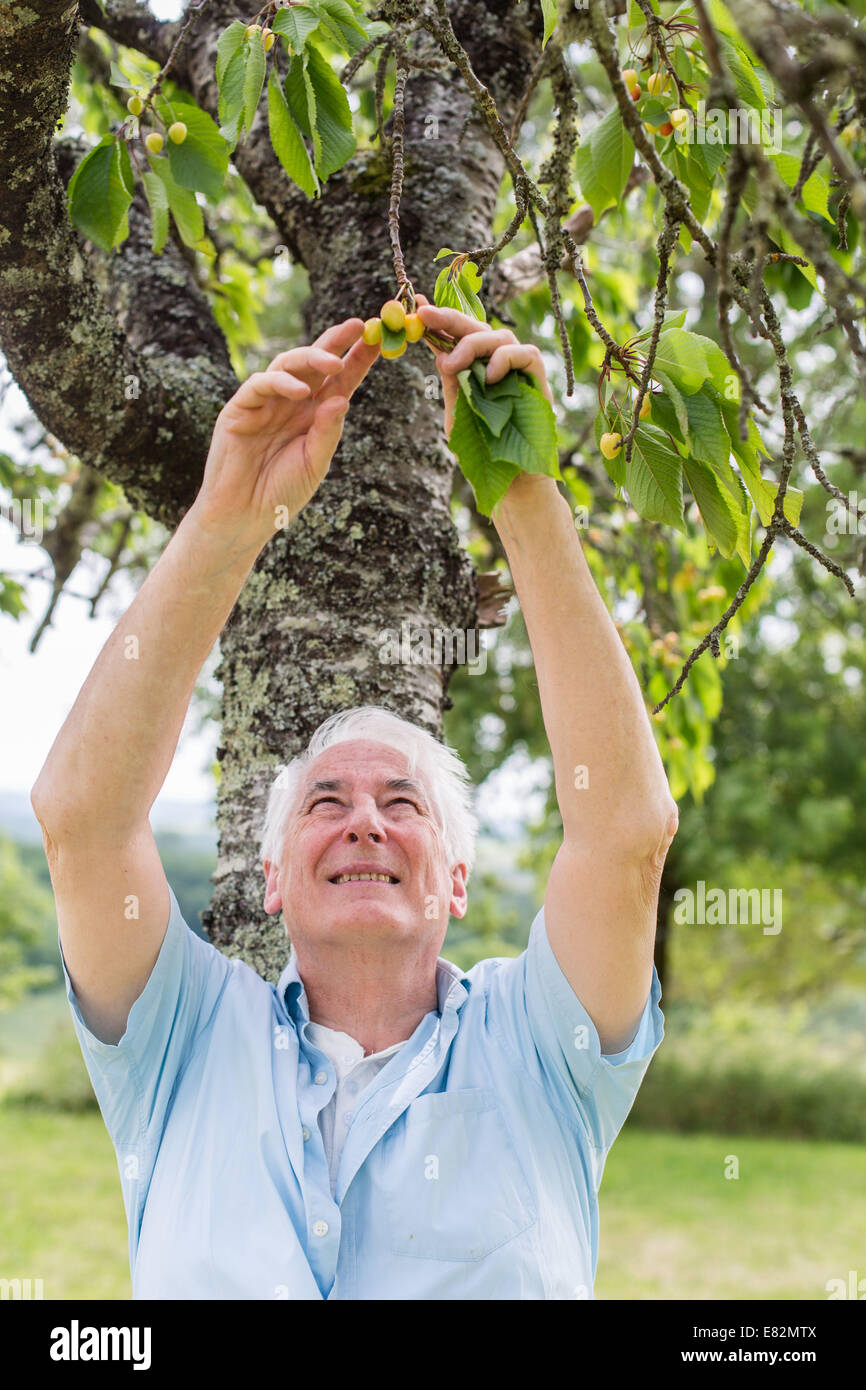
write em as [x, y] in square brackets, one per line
[134, 1079]
[539, 1016]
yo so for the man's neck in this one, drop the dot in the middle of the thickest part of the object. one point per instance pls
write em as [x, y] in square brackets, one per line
[377, 1002]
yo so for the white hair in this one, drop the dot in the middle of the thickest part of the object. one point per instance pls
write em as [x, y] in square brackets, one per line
[441, 768]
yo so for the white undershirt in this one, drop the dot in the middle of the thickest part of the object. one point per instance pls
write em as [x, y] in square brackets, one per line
[354, 1073]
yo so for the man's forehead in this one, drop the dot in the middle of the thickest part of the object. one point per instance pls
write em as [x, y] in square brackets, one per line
[360, 763]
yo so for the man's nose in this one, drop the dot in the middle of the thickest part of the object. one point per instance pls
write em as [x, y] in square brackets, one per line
[365, 819]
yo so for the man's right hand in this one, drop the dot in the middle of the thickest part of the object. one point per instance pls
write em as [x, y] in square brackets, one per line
[274, 440]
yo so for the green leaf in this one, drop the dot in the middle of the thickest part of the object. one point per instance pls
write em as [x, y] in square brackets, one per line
[343, 23]
[815, 191]
[286, 140]
[392, 340]
[488, 478]
[741, 507]
[254, 78]
[749, 89]
[533, 424]
[680, 354]
[654, 479]
[495, 412]
[676, 399]
[446, 251]
[710, 440]
[333, 114]
[548, 10]
[158, 200]
[296, 24]
[99, 195]
[591, 187]
[201, 162]
[302, 103]
[182, 201]
[133, 76]
[228, 43]
[717, 513]
[231, 97]
[612, 153]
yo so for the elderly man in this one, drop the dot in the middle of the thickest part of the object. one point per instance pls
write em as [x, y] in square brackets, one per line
[379, 1124]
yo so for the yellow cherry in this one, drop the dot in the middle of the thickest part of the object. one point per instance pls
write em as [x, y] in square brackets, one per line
[610, 445]
[645, 407]
[372, 332]
[177, 132]
[154, 141]
[391, 353]
[414, 328]
[135, 106]
[393, 315]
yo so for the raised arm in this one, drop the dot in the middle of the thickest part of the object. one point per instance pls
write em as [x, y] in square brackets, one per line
[617, 812]
[272, 446]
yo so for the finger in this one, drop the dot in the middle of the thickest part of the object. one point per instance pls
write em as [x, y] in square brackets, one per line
[472, 346]
[263, 386]
[524, 357]
[450, 320]
[323, 436]
[356, 364]
[308, 363]
[340, 336]
[449, 391]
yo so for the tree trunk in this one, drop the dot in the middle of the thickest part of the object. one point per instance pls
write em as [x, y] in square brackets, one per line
[376, 546]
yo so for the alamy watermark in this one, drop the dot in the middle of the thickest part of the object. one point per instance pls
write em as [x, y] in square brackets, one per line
[719, 907]
[432, 646]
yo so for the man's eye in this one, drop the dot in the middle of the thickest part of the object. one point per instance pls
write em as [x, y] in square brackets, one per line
[323, 798]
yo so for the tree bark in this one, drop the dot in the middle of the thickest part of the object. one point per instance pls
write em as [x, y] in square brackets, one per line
[376, 545]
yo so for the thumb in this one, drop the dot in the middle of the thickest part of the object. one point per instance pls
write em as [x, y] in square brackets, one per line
[323, 436]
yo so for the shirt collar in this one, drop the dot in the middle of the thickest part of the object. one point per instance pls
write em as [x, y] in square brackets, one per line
[452, 989]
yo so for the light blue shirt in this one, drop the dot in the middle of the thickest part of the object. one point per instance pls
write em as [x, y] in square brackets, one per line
[470, 1167]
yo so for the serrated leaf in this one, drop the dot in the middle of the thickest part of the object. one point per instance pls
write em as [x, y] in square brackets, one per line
[231, 97]
[676, 399]
[391, 339]
[591, 187]
[680, 354]
[741, 507]
[254, 78]
[488, 478]
[296, 24]
[612, 153]
[709, 437]
[287, 142]
[228, 43]
[446, 251]
[98, 196]
[343, 23]
[201, 162]
[182, 202]
[302, 103]
[654, 479]
[494, 412]
[717, 514]
[158, 201]
[815, 190]
[531, 432]
[333, 114]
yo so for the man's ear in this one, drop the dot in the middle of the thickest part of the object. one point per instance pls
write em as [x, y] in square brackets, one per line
[273, 898]
[459, 900]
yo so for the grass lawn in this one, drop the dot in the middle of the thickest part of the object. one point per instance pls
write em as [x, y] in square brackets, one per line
[672, 1226]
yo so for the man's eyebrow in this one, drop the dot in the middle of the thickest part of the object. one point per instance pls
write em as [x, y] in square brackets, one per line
[397, 784]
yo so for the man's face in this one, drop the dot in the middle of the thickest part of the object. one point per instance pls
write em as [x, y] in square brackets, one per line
[357, 818]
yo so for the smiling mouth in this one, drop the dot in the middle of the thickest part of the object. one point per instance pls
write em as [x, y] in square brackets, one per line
[340, 880]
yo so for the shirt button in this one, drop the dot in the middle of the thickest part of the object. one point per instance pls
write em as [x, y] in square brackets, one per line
[352, 1087]
[320, 1078]
[320, 1228]
[347, 1117]
[306, 1133]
